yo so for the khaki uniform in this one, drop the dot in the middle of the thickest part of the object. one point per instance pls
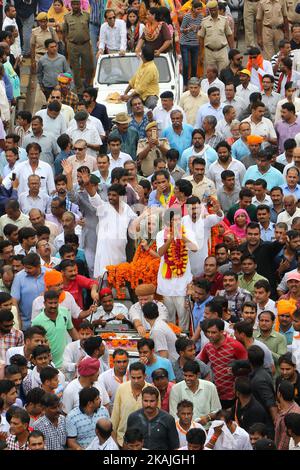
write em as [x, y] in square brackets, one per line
[293, 17]
[272, 13]
[38, 38]
[147, 166]
[250, 12]
[215, 34]
[76, 31]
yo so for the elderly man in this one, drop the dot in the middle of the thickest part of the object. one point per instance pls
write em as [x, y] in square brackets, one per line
[192, 100]
[86, 132]
[291, 210]
[113, 35]
[145, 81]
[103, 439]
[81, 158]
[128, 136]
[34, 198]
[151, 148]
[162, 114]
[179, 135]
[145, 293]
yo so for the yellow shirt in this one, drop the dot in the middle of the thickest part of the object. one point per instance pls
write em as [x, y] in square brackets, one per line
[190, 105]
[145, 81]
[124, 404]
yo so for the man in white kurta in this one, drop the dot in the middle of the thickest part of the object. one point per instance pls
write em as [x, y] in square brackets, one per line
[200, 223]
[174, 289]
[112, 230]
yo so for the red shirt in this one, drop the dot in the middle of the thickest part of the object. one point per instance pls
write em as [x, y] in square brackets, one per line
[165, 401]
[216, 284]
[75, 287]
[220, 359]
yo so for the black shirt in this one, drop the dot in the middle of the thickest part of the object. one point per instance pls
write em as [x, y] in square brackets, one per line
[263, 391]
[227, 76]
[159, 433]
[100, 113]
[264, 255]
[296, 387]
[294, 45]
[250, 414]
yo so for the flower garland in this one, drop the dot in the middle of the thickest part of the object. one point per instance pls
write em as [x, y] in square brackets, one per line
[142, 269]
[176, 257]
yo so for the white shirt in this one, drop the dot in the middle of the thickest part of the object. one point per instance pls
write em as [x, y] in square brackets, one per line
[67, 112]
[57, 126]
[109, 444]
[92, 121]
[239, 440]
[60, 239]
[270, 305]
[164, 338]
[267, 201]
[215, 170]
[163, 118]
[295, 349]
[244, 93]
[182, 433]
[7, 169]
[68, 302]
[42, 202]
[238, 103]
[223, 129]
[15, 48]
[4, 103]
[70, 399]
[267, 69]
[216, 83]
[285, 217]
[23, 170]
[119, 162]
[89, 134]
[113, 38]
[264, 128]
[110, 383]
[136, 313]
[118, 309]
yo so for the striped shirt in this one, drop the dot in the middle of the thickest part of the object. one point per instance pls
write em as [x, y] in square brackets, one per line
[190, 38]
[277, 74]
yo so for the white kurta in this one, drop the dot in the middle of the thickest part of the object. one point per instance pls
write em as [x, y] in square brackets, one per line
[176, 286]
[201, 229]
[112, 233]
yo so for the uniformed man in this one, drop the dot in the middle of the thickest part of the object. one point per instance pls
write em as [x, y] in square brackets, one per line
[151, 148]
[77, 39]
[272, 25]
[293, 14]
[250, 12]
[215, 36]
[38, 38]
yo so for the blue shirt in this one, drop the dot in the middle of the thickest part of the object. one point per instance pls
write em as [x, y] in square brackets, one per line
[8, 87]
[160, 363]
[198, 314]
[179, 142]
[239, 150]
[208, 110]
[267, 235]
[287, 192]
[25, 289]
[288, 335]
[140, 126]
[152, 201]
[63, 155]
[209, 155]
[272, 177]
[82, 426]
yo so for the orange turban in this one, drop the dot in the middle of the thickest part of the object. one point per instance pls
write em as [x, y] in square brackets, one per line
[52, 278]
[254, 139]
[284, 307]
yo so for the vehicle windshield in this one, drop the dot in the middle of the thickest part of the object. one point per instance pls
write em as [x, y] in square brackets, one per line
[121, 69]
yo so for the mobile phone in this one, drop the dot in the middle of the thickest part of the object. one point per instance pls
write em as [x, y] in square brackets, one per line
[51, 20]
[13, 176]
[154, 134]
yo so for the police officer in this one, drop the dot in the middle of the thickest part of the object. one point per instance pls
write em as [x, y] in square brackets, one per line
[272, 25]
[215, 36]
[250, 12]
[77, 38]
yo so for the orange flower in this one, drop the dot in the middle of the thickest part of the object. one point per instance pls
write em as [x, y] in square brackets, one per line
[176, 329]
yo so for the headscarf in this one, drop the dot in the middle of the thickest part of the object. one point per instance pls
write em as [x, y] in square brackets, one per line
[284, 307]
[238, 231]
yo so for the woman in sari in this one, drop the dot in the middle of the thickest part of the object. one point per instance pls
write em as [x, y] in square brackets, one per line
[241, 220]
[156, 34]
[134, 29]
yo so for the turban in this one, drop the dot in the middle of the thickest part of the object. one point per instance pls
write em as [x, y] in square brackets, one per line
[105, 292]
[88, 366]
[64, 77]
[145, 289]
[284, 307]
[254, 139]
[52, 278]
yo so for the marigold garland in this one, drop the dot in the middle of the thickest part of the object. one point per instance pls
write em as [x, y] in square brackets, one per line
[176, 257]
[142, 269]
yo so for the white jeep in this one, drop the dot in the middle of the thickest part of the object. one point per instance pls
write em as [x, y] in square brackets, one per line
[113, 73]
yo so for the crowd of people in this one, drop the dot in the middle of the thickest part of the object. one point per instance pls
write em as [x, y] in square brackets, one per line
[150, 260]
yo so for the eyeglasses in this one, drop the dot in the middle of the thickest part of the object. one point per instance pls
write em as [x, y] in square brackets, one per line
[110, 18]
[78, 149]
[55, 97]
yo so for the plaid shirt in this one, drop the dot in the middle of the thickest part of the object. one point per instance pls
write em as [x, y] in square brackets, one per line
[71, 99]
[13, 444]
[55, 436]
[282, 440]
[69, 205]
[10, 340]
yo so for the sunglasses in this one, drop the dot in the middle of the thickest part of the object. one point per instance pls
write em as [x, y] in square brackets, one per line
[111, 18]
[78, 149]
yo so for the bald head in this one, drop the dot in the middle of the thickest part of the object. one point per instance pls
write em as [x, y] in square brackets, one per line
[290, 204]
[104, 429]
[296, 154]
